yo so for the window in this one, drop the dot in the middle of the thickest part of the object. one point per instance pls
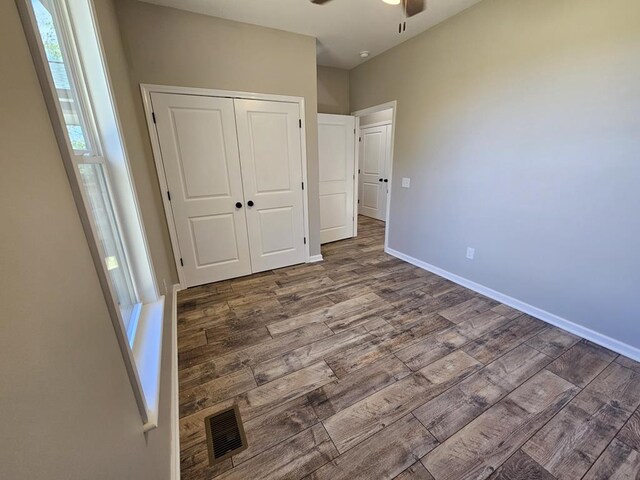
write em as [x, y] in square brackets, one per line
[95, 185]
[69, 60]
[59, 56]
[63, 61]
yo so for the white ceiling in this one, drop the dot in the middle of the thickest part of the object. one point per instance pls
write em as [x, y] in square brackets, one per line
[343, 28]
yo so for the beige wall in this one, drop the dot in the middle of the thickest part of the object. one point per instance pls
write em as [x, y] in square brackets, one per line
[67, 406]
[333, 90]
[173, 47]
[377, 117]
[518, 123]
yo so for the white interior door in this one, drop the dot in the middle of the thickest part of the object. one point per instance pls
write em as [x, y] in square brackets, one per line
[269, 139]
[374, 155]
[197, 136]
[337, 156]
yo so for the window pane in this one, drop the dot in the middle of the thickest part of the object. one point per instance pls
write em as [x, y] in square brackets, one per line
[66, 87]
[101, 208]
[76, 136]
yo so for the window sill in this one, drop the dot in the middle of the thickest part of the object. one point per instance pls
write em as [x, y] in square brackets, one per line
[147, 352]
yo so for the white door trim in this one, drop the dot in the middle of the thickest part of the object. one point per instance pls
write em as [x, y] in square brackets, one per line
[175, 398]
[366, 111]
[356, 177]
[147, 89]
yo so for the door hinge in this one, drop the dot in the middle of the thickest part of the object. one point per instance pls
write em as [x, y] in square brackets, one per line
[360, 139]
[305, 240]
[358, 170]
[181, 263]
[354, 131]
[153, 114]
[303, 185]
[358, 201]
[169, 195]
[300, 122]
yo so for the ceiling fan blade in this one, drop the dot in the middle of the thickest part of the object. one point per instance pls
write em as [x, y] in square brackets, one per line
[413, 7]
[319, 2]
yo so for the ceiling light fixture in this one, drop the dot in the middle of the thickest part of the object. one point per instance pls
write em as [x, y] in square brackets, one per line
[364, 54]
[409, 9]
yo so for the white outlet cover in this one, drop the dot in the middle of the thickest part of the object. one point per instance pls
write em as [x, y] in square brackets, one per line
[471, 252]
[406, 182]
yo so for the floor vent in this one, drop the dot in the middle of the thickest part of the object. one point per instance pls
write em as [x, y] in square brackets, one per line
[225, 435]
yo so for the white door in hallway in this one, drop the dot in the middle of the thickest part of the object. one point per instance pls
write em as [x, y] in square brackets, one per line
[336, 151]
[269, 141]
[373, 179]
[197, 136]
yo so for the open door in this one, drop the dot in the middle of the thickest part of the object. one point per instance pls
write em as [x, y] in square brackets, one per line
[336, 149]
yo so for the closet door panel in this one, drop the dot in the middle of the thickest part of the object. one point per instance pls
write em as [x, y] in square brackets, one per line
[197, 136]
[271, 159]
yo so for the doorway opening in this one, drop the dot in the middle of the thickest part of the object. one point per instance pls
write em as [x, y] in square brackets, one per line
[355, 169]
[376, 134]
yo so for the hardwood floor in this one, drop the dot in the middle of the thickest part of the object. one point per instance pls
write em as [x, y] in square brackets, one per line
[365, 367]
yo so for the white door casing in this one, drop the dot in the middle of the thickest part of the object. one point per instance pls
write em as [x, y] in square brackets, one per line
[269, 142]
[197, 138]
[336, 151]
[375, 154]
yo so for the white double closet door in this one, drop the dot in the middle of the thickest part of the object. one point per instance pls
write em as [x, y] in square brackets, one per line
[375, 170]
[234, 173]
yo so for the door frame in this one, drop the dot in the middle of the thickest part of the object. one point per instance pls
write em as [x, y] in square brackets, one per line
[393, 105]
[147, 89]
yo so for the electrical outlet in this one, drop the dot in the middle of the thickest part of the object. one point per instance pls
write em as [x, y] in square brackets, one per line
[406, 182]
[471, 253]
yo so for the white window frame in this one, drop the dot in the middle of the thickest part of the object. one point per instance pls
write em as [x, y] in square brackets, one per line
[141, 342]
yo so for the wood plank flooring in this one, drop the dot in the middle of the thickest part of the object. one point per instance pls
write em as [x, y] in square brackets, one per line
[365, 367]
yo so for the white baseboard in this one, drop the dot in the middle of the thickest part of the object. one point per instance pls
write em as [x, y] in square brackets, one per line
[175, 418]
[315, 258]
[584, 332]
